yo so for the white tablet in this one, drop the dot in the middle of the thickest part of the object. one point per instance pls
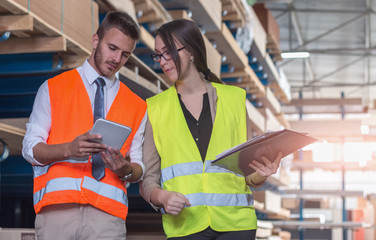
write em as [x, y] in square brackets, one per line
[113, 134]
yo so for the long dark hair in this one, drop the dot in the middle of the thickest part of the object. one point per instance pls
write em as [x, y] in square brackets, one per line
[189, 35]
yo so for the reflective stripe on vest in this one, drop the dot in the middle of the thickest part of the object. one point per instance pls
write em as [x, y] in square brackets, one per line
[190, 168]
[40, 170]
[220, 198]
[105, 190]
[70, 180]
[58, 184]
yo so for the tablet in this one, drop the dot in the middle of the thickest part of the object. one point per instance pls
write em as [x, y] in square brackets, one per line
[113, 134]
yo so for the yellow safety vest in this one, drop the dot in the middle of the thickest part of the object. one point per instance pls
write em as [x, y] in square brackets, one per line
[220, 199]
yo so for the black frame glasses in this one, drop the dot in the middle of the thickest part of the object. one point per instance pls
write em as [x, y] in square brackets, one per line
[158, 57]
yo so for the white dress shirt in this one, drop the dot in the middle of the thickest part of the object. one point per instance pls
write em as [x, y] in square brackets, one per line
[39, 124]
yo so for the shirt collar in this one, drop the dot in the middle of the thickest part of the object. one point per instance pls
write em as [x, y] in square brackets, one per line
[91, 75]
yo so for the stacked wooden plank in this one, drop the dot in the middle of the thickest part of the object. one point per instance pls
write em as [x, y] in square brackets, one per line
[271, 204]
[236, 58]
[282, 235]
[151, 11]
[207, 14]
[233, 11]
[118, 5]
[257, 119]
[266, 49]
[248, 80]
[271, 102]
[214, 59]
[280, 85]
[49, 26]
[245, 76]
[264, 229]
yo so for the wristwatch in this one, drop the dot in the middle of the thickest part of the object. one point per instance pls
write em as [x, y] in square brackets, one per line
[128, 176]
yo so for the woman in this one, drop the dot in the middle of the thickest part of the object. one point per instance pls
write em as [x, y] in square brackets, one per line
[189, 124]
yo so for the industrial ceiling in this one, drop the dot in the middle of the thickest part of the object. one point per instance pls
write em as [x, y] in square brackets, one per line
[340, 37]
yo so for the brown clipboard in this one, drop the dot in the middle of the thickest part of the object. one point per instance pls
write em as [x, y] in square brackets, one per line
[269, 144]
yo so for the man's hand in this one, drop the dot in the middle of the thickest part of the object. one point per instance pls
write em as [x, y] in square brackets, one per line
[85, 145]
[116, 162]
[81, 147]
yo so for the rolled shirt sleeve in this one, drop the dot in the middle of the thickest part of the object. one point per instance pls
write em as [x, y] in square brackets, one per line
[135, 151]
[39, 124]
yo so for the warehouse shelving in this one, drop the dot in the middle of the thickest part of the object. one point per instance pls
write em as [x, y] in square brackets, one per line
[303, 162]
[318, 225]
[138, 73]
[233, 11]
[214, 58]
[207, 14]
[49, 27]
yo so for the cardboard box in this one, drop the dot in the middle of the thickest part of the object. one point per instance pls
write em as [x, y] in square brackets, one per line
[259, 35]
[358, 216]
[303, 156]
[290, 203]
[267, 20]
[373, 203]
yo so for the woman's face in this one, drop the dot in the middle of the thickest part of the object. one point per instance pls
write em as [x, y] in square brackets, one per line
[168, 65]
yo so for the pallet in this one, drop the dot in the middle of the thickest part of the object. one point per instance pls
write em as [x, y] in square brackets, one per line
[49, 26]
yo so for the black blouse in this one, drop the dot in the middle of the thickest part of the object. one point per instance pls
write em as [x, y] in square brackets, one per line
[201, 130]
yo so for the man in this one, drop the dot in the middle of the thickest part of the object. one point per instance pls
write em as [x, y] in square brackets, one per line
[69, 202]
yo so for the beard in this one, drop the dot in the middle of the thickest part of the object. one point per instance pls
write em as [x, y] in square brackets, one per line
[100, 63]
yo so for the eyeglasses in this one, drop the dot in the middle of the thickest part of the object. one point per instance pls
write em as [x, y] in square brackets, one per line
[166, 55]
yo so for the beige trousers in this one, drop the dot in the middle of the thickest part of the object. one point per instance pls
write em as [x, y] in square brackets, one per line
[73, 221]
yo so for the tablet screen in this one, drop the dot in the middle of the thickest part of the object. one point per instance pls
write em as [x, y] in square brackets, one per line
[113, 134]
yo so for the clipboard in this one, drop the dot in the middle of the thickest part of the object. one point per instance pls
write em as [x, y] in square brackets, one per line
[113, 134]
[268, 144]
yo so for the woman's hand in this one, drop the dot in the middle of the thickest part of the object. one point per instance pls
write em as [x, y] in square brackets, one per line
[173, 202]
[264, 169]
[267, 167]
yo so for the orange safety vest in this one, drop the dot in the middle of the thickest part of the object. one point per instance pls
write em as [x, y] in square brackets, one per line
[70, 180]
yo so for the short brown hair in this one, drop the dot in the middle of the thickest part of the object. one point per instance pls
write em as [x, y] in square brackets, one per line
[121, 21]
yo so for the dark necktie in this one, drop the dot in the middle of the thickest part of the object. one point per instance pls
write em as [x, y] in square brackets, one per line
[97, 162]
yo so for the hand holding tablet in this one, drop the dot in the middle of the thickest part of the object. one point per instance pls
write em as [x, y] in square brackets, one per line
[113, 134]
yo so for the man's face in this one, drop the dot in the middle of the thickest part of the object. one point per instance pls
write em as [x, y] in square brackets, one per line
[111, 52]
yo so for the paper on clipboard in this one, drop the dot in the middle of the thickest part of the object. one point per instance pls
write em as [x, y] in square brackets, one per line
[269, 144]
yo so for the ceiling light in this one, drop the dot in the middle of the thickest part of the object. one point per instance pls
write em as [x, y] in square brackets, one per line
[286, 55]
